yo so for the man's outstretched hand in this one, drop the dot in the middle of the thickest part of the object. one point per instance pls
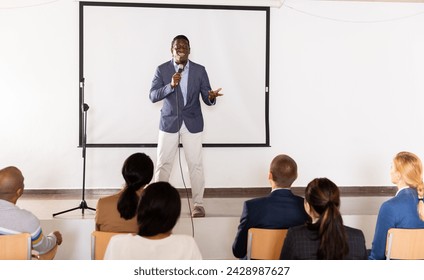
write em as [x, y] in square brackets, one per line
[214, 94]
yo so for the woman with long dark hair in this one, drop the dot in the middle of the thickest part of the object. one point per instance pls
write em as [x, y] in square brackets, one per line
[158, 212]
[117, 213]
[324, 237]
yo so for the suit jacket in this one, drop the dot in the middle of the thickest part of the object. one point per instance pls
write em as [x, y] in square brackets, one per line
[397, 212]
[302, 243]
[173, 111]
[280, 209]
[109, 219]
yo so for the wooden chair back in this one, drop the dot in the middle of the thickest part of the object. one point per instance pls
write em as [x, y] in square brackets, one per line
[15, 246]
[405, 244]
[265, 244]
[99, 242]
[46, 256]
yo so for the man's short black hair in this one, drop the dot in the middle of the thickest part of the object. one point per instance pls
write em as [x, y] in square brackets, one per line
[180, 37]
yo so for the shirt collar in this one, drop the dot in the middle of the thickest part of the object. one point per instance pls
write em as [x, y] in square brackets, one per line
[187, 66]
[401, 189]
[277, 189]
[4, 202]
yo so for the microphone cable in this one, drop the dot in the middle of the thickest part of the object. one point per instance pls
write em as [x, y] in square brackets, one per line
[181, 69]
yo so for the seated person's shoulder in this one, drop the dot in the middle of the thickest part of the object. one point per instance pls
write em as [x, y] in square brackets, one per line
[297, 228]
[27, 217]
[255, 200]
[353, 231]
[107, 200]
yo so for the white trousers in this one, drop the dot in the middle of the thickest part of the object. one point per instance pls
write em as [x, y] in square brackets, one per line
[167, 149]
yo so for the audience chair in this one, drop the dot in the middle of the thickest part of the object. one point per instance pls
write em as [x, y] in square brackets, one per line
[99, 242]
[15, 246]
[46, 256]
[265, 244]
[405, 244]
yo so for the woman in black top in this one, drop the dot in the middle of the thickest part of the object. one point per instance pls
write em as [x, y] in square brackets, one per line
[324, 237]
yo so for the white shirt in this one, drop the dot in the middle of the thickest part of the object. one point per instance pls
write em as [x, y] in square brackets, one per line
[136, 247]
[184, 79]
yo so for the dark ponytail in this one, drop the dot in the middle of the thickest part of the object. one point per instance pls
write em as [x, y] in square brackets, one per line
[137, 172]
[324, 198]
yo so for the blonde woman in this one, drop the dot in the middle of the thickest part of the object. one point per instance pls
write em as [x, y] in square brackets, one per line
[406, 209]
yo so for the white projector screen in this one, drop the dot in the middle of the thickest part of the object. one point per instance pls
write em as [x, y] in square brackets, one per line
[121, 44]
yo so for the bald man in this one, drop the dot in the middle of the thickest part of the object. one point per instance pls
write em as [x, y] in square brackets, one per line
[14, 220]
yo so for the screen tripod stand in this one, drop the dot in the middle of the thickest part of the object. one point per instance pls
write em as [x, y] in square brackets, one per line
[83, 205]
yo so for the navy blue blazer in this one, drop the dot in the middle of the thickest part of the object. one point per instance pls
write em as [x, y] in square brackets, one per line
[173, 111]
[280, 209]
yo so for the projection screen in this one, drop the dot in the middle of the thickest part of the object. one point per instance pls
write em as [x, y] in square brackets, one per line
[121, 44]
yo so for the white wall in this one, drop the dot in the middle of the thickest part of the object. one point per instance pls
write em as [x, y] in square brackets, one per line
[346, 94]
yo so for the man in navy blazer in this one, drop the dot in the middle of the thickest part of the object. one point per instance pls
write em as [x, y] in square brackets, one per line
[180, 83]
[280, 209]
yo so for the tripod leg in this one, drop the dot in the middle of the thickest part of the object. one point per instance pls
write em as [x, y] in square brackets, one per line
[84, 205]
[66, 211]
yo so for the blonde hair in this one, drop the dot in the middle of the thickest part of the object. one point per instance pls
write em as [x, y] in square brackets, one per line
[411, 170]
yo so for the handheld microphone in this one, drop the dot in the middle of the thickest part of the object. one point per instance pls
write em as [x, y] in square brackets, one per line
[180, 68]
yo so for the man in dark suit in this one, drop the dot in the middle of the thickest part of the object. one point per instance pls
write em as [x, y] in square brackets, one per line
[180, 83]
[280, 209]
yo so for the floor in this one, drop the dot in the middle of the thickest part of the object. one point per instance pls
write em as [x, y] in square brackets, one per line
[214, 233]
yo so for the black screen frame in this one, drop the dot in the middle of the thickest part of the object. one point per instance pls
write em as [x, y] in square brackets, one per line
[266, 142]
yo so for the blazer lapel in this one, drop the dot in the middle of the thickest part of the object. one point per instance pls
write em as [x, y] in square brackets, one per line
[190, 82]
